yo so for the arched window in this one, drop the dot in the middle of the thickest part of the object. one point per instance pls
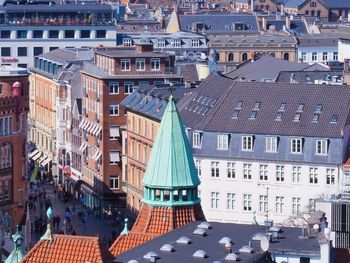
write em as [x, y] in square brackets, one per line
[244, 56]
[6, 156]
[272, 54]
[230, 57]
[286, 56]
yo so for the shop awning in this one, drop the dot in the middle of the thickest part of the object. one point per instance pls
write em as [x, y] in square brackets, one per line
[98, 131]
[33, 153]
[46, 161]
[82, 123]
[97, 155]
[85, 125]
[92, 127]
[94, 131]
[36, 156]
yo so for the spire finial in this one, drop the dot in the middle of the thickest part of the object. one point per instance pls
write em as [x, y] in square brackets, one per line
[125, 230]
[17, 253]
[49, 213]
[48, 234]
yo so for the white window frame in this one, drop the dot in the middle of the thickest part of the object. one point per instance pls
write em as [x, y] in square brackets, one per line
[303, 56]
[197, 140]
[113, 138]
[115, 180]
[279, 205]
[176, 43]
[128, 87]
[125, 65]
[325, 56]
[263, 172]
[155, 64]
[115, 109]
[127, 42]
[247, 143]
[111, 162]
[231, 170]
[313, 175]
[140, 64]
[198, 164]
[335, 56]
[263, 203]
[314, 56]
[215, 199]
[280, 173]
[247, 171]
[161, 42]
[298, 149]
[230, 201]
[296, 205]
[296, 174]
[195, 43]
[330, 176]
[321, 147]
[271, 144]
[222, 141]
[215, 169]
[247, 202]
[114, 87]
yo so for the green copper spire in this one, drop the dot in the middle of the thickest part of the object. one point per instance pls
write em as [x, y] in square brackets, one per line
[17, 253]
[171, 176]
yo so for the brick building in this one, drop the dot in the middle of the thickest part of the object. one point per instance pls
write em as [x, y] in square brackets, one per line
[14, 106]
[106, 83]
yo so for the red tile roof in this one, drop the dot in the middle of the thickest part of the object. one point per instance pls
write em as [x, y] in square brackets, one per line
[153, 222]
[68, 249]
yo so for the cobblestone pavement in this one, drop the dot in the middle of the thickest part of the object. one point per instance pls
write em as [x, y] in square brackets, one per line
[94, 226]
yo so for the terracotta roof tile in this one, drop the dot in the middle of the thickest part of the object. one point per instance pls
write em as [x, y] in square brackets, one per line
[66, 248]
[153, 222]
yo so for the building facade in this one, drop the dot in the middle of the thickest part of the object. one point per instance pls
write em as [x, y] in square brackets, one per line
[106, 83]
[256, 163]
[317, 49]
[14, 107]
[31, 30]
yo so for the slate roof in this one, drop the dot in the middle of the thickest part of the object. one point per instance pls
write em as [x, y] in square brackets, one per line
[68, 249]
[264, 67]
[307, 77]
[211, 107]
[297, 25]
[293, 3]
[337, 3]
[318, 41]
[151, 100]
[218, 22]
[240, 235]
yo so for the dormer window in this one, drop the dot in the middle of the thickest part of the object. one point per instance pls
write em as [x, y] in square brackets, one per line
[127, 42]
[296, 145]
[176, 43]
[222, 143]
[321, 147]
[161, 42]
[334, 118]
[282, 106]
[257, 105]
[195, 43]
[197, 140]
[247, 143]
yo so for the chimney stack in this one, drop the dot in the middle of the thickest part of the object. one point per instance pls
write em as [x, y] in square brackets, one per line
[264, 24]
[287, 22]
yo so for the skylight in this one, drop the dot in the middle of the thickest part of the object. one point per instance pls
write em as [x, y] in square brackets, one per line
[239, 104]
[253, 114]
[200, 254]
[334, 118]
[318, 108]
[199, 232]
[232, 257]
[236, 114]
[301, 107]
[225, 240]
[315, 117]
[279, 116]
[183, 240]
[257, 105]
[297, 116]
[204, 225]
[151, 255]
[167, 248]
[283, 106]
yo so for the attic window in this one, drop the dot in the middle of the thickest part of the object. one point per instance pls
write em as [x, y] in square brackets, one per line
[253, 114]
[301, 107]
[297, 116]
[200, 254]
[236, 114]
[279, 116]
[315, 117]
[334, 118]
[318, 108]
[282, 106]
[239, 104]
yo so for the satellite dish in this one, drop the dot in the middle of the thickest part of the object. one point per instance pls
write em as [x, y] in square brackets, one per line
[264, 244]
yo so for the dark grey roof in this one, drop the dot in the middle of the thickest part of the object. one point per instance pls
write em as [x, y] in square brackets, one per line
[218, 22]
[297, 25]
[152, 101]
[211, 107]
[63, 55]
[264, 68]
[318, 41]
[58, 8]
[189, 72]
[337, 3]
[240, 236]
[293, 3]
[120, 52]
[307, 77]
